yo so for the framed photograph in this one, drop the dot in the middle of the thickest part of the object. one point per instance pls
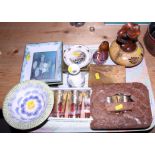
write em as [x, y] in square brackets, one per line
[43, 61]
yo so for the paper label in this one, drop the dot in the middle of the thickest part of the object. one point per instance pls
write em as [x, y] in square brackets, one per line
[70, 69]
[76, 54]
[119, 107]
[139, 51]
[97, 76]
[30, 105]
[28, 57]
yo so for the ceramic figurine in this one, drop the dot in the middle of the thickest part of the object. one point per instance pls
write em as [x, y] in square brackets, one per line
[101, 55]
[126, 50]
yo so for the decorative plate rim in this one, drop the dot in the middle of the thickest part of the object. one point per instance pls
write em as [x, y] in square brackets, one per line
[36, 122]
[84, 48]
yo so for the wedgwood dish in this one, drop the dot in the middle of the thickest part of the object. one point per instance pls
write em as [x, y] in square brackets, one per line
[77, 54]
[28, 104]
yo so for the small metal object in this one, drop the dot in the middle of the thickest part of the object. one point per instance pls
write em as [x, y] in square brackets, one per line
[109, 99]
[127, 98]
[77, 24]
[92, 29]
[74, 96]
[119, 98]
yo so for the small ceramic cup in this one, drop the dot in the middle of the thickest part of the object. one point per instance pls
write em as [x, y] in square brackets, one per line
[149, 38]
[77, 80]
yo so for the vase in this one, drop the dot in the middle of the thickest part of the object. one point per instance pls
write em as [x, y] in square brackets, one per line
[101, 55]
[127, 59]
[149, 39]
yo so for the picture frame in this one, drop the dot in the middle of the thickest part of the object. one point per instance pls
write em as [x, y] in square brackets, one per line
[43, 61]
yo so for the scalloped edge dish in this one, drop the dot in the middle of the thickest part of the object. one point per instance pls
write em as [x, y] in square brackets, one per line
[35, 122]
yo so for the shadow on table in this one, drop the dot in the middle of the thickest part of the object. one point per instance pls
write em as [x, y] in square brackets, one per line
[5, 128]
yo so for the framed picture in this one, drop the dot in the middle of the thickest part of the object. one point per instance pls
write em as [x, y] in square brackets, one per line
[43, 61]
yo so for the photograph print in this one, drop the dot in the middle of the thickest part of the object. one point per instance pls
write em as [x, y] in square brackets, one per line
[43, 66]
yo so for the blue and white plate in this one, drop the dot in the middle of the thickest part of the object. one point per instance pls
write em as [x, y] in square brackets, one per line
[28, 104]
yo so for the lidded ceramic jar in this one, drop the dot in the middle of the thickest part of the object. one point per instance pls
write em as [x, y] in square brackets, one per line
[126, 50]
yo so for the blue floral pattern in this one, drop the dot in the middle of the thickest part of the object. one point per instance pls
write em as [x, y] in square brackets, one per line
[30, 102]
[34, 111]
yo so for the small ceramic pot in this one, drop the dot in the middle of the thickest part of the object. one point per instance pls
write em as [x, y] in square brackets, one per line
[76, 81]
[127, 59]
[149, 40]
